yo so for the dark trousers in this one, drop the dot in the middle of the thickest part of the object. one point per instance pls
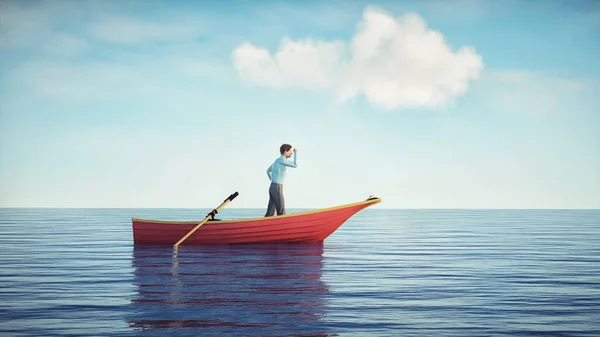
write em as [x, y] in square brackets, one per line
[276, 200]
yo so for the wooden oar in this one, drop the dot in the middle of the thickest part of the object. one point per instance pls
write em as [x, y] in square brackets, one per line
[210, 215]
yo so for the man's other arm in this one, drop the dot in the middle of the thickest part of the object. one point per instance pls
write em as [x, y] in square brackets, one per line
[269, 170]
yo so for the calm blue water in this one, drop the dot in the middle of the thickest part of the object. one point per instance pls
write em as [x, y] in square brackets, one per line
[75, 272]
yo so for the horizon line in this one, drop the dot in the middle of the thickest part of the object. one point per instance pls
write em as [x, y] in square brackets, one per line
[307, 208]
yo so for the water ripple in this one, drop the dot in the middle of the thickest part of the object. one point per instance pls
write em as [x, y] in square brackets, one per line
[75, 272]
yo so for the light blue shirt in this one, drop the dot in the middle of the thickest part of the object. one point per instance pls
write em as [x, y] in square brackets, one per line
[276, 171]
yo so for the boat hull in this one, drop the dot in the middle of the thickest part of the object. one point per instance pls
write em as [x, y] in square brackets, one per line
[310, 227]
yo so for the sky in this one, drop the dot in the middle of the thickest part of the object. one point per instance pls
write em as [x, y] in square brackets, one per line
[426, 104]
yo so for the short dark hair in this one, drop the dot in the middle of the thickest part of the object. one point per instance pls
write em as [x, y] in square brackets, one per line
[284, 148]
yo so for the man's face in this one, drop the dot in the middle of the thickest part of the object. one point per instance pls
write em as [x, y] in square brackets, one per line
[288, 153]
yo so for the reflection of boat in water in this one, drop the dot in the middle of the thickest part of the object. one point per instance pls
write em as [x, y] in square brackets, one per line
[242, 289]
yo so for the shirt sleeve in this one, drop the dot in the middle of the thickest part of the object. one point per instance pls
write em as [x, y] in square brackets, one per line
[269, 170]
[289, 163]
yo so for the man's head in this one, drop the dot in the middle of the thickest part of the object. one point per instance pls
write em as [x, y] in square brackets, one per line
[286, 150]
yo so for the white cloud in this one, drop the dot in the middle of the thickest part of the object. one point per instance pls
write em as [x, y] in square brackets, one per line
[304, 64]
[394, 62]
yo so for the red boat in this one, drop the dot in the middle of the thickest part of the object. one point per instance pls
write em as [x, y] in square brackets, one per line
[309, 226]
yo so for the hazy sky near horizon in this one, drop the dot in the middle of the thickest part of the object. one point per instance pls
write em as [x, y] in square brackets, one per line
[427, 104]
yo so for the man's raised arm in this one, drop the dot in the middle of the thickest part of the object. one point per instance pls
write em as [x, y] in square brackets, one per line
[289, 163]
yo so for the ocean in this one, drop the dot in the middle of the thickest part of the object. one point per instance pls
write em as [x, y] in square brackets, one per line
[76, 272]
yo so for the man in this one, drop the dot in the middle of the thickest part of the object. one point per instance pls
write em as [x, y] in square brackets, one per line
[276, 173]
